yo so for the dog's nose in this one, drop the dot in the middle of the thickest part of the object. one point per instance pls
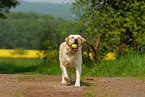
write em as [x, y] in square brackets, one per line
[76, 40]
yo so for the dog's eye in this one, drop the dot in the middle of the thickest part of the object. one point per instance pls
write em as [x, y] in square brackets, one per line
[72, 37]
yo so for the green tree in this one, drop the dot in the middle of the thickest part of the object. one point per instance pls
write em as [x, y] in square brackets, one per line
[22, 30]
[111, 25]
[6, 5]
[49, 41]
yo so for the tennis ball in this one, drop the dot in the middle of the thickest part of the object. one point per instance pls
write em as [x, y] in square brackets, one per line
[74, 46]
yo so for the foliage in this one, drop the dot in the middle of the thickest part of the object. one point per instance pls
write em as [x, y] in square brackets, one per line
[49, 40]
[5, 6]
[111, 25]
[22, 30]
[109, 56]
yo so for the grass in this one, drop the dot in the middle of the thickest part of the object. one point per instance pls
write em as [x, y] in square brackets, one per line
[17, 65]
[49, 69]
[127, 66]
[28, 66]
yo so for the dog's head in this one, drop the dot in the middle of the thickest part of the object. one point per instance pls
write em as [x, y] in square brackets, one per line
[75, 41]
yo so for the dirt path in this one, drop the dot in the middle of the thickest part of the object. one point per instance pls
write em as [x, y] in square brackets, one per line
[50, 86]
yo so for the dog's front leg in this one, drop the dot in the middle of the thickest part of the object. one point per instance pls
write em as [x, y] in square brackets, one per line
[78, 76]
[63, 80]
[65, 77]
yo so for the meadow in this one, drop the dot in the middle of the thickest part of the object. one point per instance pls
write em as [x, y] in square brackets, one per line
[132, 65]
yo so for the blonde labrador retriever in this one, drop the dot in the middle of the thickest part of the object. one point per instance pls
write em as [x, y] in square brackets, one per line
[70, 55]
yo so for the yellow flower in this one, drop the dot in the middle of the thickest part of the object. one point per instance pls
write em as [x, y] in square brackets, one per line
[83, 66]
[8, 53]
[84, 53]
[110, 56]
[91, 55]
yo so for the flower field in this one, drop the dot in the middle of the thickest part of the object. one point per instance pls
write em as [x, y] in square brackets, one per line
[13, 53]
[21, 53]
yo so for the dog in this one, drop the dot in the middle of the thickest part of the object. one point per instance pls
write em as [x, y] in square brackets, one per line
[70, 55]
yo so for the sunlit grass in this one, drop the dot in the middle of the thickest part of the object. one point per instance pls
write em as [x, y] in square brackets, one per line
[131, 65]
[128, 66]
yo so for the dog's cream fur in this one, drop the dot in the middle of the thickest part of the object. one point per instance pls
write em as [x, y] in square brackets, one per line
[68, 57]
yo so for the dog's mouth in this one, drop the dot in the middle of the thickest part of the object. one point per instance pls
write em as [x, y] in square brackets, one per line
[74, 46]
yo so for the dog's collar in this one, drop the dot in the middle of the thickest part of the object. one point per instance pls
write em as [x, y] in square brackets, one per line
[68, 44]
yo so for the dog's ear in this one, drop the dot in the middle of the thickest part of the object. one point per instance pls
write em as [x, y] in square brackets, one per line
[83, 40]
[67, 40]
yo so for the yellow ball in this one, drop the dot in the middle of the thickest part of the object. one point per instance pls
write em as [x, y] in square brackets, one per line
[74, 46]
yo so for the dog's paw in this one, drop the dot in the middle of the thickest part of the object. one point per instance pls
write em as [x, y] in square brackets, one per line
[63, 82]
[77, 85]
[67, 79]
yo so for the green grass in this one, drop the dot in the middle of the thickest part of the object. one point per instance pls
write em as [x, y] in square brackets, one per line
[49, 69]
[17, 65]
[127, 66]
[28, 66]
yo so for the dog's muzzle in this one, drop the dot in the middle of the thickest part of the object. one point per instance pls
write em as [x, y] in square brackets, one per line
[75, 45]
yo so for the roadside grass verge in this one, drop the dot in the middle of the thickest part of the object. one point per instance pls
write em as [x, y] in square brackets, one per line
[49, 69]
[28, 66]
[17, 65]
[128, 66]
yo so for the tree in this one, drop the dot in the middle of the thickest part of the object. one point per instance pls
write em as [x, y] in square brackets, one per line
[22, 30]
[49, 41]
[111, 25]
[6, 5]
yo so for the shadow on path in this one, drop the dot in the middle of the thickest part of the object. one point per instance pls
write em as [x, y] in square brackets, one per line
[82, 83]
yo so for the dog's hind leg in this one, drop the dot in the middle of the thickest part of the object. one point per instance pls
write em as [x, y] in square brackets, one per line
[70, 73]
